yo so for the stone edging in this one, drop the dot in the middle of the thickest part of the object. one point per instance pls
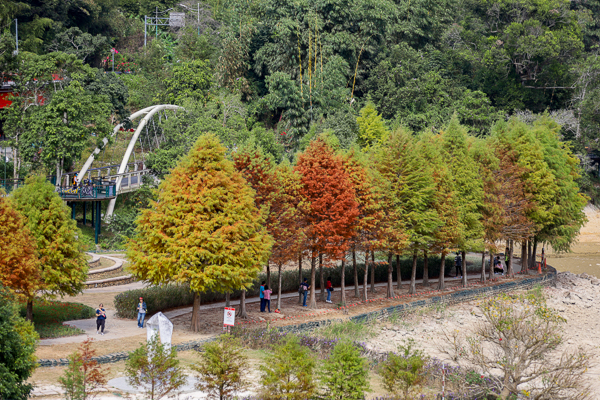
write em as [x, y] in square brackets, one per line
[94, 261]
[115, 357]
[118, 280]
[450, 298]
[117, 266]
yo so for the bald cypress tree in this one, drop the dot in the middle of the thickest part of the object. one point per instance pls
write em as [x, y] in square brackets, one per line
[204, 230]
[62, 263]
[409, 190]
[469, 187]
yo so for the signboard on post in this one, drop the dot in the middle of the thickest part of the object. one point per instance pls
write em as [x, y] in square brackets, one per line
[229, 316]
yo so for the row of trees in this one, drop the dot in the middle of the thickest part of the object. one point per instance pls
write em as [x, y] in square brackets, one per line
[218, 221]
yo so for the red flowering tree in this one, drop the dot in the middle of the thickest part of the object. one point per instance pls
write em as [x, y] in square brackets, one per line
[329, 210]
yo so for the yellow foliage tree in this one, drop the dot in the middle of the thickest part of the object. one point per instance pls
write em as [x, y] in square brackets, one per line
[204, 230]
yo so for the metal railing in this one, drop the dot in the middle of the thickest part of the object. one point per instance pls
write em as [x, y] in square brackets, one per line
[97, 190]
[8, 185]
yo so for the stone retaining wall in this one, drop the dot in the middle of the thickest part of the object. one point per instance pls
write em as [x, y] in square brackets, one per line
[119, 280]
[458, 296]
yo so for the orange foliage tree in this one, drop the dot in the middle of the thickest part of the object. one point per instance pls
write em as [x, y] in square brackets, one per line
[369, 228]
[277, 197]
[329, 210]
[19, 265]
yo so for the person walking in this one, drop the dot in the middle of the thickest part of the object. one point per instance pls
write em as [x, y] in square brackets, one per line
[305, 287]
[262, 296]
[329, 288]
[267, 294]
[100, 319]
[458, 265]
[141, 309]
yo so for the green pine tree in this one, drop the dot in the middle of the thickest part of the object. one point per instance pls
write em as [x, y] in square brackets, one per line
[468, 184]
[408, 186]
[345, 374]
[288, 373]
[371, 127]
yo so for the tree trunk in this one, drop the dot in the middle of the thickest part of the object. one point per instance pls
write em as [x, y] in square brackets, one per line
[491, 264]
[356, 289]
[441, 285]
[529, 254]
[464, 268]
[321, 279]
[313, 278]
[29, 315]
[533, 253]
[343, 283]
[58, 177]
[269, 276]
[425, 269]
[242, 313]
[300, 277]
[373, 272]
[227, 299]
[15, 163]
[366, 279]
[483, 266]
[399, 284]
[196, 313]
[279, 287]
[390, 279]
[524, 256]
[510, 270]
[413, 275]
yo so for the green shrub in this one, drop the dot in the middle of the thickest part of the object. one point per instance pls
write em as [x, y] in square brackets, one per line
[155, 369]
[157, 298]
[288, 373]
[222, 368]
[403, 373]
[49, 315]
[345, 374]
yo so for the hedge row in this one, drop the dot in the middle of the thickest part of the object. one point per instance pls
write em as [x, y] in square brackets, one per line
[159, 298]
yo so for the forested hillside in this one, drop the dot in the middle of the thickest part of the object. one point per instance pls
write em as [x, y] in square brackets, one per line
[285, 71]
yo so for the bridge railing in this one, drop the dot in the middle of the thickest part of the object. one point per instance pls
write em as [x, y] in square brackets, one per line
[100, 172]
[95, 191]
[11, 184]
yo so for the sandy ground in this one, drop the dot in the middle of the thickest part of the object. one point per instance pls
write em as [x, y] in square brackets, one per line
[577, 298]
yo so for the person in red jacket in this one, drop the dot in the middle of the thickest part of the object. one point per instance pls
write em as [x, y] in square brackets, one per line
[329, 288]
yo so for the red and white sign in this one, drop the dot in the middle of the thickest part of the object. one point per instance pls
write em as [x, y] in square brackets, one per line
[229, 316]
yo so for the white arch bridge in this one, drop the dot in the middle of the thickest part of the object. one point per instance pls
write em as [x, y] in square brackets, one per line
[108, 181]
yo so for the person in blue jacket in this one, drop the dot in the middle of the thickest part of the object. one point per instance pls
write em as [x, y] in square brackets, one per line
[100, 319]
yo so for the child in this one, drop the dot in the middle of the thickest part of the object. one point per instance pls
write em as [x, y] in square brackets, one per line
[267, 293]
[329, 288]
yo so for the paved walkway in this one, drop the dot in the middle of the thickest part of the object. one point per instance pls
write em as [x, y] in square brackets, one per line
[121, 328]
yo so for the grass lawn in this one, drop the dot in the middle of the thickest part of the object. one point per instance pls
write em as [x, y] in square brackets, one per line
[48, 317]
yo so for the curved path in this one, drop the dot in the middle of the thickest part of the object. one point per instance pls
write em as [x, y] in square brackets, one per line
[117, 328]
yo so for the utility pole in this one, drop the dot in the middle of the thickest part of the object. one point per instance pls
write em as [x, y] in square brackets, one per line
[198, 19]
[145, 25]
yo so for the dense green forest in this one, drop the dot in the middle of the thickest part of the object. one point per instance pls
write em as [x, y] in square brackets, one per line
[282, 72]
